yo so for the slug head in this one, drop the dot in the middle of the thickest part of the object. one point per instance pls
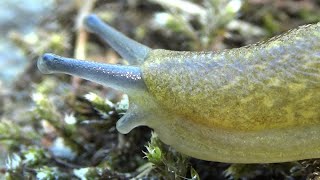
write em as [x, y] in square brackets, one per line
[129, 79]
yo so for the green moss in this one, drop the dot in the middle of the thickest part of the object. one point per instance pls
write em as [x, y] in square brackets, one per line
[271, 24]
[167, 163]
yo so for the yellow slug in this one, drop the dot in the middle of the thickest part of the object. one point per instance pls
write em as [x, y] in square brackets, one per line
[254, 104]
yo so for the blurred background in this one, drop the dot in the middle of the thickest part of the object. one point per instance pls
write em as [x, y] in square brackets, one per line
[57, 126]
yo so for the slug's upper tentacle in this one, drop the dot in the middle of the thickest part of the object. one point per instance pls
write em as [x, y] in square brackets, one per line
[123, 78]
[129, 49]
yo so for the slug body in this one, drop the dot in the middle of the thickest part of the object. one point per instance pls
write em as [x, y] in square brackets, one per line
[255, 104]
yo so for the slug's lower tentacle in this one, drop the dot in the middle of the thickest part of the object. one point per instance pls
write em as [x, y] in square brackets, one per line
[123, 78]
[133, 118]
[129, 49]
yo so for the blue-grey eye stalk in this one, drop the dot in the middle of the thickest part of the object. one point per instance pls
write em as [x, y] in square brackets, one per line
[123, 78]
[130, 50]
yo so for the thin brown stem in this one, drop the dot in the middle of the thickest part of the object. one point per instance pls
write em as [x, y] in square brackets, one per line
[85, 7]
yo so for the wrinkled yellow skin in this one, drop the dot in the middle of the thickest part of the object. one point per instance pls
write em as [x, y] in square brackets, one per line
[255, 104]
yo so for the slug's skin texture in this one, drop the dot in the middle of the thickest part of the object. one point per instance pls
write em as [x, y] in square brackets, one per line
[271, 85]
[255, 104]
